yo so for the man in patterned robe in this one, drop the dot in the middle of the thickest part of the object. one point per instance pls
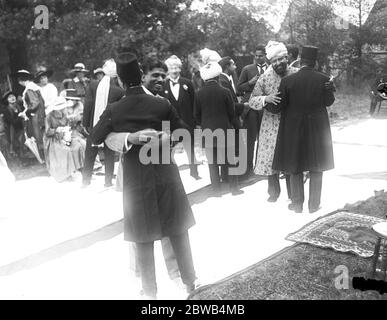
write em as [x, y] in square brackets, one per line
[266, 96]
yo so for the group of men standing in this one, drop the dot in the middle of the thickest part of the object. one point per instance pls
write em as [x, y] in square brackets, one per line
[282, 107]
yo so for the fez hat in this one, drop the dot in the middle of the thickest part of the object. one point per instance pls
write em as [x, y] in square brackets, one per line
[128, 69]
[6, 95]
[24, 74]
[309, 53]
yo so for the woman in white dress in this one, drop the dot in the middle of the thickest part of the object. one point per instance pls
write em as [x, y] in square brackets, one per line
[48, 90]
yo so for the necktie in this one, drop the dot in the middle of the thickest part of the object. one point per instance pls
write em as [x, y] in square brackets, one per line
[174, 83]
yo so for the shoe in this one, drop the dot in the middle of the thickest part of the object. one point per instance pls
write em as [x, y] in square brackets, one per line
[295, 207]
[195, 176]
[192, 287]
[108, 185]
[237, 192]
[313, 210]
[272, 199]
[85, 185]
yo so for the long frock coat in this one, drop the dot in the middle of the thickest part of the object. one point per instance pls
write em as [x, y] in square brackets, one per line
[304, 141]
[155, 202]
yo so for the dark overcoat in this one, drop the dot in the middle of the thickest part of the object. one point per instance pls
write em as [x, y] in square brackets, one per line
[304, 139]
[185, 103]
[155, 202]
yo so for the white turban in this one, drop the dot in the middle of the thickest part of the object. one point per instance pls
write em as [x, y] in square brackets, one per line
[110, 68]
[275, 49]
[209, 55]
[211, 70]
[173, 61]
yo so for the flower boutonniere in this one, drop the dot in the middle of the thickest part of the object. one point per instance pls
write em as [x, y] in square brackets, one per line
[185, 87]
[166, 91]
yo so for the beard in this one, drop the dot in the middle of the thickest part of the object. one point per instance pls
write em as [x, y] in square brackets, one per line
[281, 68]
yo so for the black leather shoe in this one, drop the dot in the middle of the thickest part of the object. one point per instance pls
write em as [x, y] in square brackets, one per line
[295, 207]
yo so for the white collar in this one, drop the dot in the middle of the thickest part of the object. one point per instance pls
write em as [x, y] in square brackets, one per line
[175, 80]
[228, 76]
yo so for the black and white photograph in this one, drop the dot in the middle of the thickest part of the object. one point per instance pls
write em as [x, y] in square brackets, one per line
[193, 150]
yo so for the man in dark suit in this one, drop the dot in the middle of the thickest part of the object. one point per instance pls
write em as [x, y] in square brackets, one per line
[181, 94]
[155, 203]
[215, 110]
[98, 95]
[226, 80]
[305, 141]
[252, 118]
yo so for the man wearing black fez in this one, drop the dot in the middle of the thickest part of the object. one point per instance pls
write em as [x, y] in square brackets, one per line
[155, 203]
[305, 141]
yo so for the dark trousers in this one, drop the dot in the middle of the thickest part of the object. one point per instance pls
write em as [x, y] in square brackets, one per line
[146, 260]
[90, 155]
[374, 102]
[252, 123]
[315, 185]
[274, 187]
[189, 147]
[222, 165]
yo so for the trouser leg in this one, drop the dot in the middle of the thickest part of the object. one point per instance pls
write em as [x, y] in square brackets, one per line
[90, 155]
[213, 166]
[288, 186]
[274, 188]
[146, 262]
[252, 119]
[170, 258]
[182, 249]
[374, 102]
[189, 147]
[315, 186]
[109, 165]
[133, 259]
[297, 188]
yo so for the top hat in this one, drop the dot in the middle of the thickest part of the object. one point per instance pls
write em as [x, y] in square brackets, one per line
[128, 69]
[79, 67]
[6, 95]
[24, 74]
[309, 53]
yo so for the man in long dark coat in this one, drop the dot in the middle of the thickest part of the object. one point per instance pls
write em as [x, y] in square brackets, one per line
[94, 106]
[305, 141]
[181, 94]
[155, 203]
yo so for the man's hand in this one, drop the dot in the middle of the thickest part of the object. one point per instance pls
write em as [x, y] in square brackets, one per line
[253, 80]
[329, 86]
[144, 136]
[273, 98]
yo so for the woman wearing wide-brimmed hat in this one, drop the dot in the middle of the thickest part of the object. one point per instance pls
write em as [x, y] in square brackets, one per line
[34, 110]
[64, 153]
[15, 124]
[48, 90]
[79, 81]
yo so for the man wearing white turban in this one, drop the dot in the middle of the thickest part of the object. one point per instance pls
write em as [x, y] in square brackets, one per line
[98, 95]
[215, 110]
[265, 96]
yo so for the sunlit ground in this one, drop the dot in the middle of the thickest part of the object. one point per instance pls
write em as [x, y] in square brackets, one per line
[38, 217]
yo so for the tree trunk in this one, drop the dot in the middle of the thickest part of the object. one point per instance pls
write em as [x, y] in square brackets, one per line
[18, 59]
